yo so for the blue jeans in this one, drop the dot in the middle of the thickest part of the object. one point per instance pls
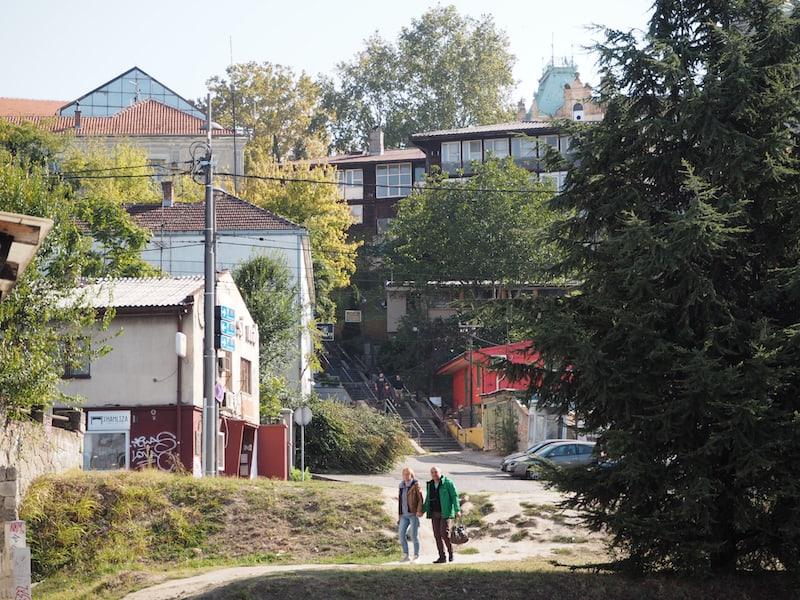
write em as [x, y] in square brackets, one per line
[403, 525]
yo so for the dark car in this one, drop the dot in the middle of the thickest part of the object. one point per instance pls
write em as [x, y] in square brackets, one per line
[563, 455]
[509, 462]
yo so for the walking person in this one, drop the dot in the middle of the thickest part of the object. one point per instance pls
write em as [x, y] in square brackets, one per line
[441, 507]
[409, 509]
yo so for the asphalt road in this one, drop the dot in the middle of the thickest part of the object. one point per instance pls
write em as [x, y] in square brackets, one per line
[472, 471]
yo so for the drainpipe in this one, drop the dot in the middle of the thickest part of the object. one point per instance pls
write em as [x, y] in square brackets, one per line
[178, 389]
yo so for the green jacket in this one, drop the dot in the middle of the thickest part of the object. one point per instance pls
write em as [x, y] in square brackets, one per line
[448, 496]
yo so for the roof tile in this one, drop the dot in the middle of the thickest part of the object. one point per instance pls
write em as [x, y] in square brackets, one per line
[148, 117]
[232, 213]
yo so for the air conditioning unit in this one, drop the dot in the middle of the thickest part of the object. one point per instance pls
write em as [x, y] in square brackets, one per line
[233, 402]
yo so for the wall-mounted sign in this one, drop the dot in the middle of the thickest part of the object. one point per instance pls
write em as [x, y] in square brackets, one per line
[225, 332]
[108, 420]
[326, 331]
[352, 316]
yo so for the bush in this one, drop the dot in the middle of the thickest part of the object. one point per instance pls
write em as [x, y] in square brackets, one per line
[353, 440]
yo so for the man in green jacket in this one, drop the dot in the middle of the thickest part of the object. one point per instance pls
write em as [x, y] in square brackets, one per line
[441, 507]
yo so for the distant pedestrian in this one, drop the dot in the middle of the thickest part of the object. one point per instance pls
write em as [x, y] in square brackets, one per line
[409, 510]
[380, 383]
[441, 507]
[398, 386]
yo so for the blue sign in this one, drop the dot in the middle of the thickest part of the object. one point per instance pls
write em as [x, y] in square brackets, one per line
[226, 313]
[227, 328]
[226, 343]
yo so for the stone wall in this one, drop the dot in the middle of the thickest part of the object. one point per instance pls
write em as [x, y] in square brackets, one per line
[28, 450]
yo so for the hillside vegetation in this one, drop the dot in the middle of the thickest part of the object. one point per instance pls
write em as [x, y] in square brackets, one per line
[102, 535]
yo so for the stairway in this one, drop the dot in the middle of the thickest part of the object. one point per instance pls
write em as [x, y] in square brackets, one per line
[432, 439]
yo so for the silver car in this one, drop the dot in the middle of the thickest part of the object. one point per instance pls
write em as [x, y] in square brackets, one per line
[564, 455]
[509, 462]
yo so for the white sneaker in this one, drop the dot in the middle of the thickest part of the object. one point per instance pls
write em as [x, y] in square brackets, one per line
[405, 559]
[415, 559]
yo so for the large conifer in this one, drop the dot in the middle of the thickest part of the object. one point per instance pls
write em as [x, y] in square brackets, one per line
[682, 344]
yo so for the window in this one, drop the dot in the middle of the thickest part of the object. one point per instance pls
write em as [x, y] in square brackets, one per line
[546, 143]
[351, 183]
[498, 148]
[245, 376]
[554, 179]
[357, 212]
[76, 359]
[472, 151]
[523, 149]
[393, 180]
[451, 156]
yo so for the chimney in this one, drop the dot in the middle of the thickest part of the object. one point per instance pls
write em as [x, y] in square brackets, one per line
[166, 193]
[375, 142]
[522, 112]
[77, 118]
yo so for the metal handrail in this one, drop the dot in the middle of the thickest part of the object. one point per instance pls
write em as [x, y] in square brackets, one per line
[459, 431]
[415, 427]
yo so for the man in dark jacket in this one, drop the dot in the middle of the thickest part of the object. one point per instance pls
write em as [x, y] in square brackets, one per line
[441, 507]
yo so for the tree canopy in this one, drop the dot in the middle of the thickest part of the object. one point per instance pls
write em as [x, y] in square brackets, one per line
[278, 110]
[38, 325]
[681, 347]
[309, 197]
[444, 71]
[488, 227]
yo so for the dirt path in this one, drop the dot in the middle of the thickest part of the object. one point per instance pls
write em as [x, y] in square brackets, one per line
[511, 532]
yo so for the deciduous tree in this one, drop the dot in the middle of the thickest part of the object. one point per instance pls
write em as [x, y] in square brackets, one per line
[488, 227]
[277, 110]
[309, 197]
[444, 71]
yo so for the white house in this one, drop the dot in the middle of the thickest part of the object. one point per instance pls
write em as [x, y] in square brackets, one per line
[144, 399]
[243, 230]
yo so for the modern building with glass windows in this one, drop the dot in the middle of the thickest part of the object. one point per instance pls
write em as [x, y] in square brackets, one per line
[124, 91]
[136, 109]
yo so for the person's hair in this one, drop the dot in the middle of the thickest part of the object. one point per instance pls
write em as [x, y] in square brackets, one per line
[410, 471]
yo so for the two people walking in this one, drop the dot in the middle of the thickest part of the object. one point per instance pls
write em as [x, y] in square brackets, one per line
[441, 506]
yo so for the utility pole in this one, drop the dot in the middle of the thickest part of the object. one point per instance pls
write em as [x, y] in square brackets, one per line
[469, 329]
[209, 353]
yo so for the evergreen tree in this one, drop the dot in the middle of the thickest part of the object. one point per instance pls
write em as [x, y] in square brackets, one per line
[681, 346]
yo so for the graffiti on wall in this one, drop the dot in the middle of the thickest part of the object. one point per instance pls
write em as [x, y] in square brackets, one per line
[160, 451]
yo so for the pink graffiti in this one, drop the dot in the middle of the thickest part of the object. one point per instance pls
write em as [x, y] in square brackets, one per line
[22, 593]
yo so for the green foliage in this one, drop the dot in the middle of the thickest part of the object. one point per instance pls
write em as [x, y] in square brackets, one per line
[444, 71]
[40, 320]
[353, 440]
[308, 196]
[271, 297]
[280, 111]
[681, 345]
[489, 227]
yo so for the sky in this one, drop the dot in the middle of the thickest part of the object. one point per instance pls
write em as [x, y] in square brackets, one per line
[62, 51]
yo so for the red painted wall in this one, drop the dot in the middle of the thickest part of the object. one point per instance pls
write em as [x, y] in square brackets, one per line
[273, 451]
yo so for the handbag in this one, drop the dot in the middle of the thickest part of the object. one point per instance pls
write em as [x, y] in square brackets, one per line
[459, 534]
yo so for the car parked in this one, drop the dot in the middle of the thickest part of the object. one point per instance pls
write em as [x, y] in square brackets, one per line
[563, 455]
[509, 462]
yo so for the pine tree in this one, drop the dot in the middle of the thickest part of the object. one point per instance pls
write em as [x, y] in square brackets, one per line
[681, 345]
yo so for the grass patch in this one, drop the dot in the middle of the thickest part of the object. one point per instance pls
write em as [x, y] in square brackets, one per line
[517, 580]
[95, 534]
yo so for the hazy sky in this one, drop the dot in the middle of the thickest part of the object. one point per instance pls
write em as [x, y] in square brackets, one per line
[59, 51]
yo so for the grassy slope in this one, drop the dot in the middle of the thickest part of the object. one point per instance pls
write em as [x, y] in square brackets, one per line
[101, 535]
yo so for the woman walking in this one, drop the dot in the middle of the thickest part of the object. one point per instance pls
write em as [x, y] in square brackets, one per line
[409, 508]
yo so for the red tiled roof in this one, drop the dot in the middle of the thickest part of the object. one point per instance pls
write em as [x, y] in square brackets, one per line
[148, 117]
[23, 106]
[233, 214]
